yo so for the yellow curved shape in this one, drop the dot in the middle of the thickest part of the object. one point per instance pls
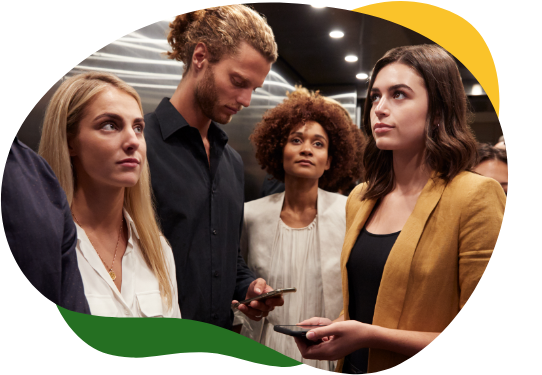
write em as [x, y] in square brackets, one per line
[450, 31]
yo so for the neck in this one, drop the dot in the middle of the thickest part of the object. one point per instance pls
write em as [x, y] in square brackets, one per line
[300, 194]
[411, 172]
[184, 102]
[98, 207]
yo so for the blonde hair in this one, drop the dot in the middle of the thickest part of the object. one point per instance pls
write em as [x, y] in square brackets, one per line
[221, 29]
[61, 124]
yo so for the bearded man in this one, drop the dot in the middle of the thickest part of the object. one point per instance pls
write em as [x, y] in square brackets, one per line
[197, 178]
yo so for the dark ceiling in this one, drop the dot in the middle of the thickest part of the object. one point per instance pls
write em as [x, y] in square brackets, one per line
[302, 35]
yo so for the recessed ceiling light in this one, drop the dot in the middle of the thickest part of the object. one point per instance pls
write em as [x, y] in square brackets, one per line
[336, 34]
[477, 90]
[362, 76]
[351, 58]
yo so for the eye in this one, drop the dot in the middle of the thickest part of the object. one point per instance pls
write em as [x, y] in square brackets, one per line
[374, 98]
[318, 144]
[108, 126]
[399, 95]
[138, 129]
[237, 82]
[295, 140]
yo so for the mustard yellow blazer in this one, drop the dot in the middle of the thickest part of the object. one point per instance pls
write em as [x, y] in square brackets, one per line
[437, 260]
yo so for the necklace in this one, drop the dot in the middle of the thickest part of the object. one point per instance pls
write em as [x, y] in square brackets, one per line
[111, 273]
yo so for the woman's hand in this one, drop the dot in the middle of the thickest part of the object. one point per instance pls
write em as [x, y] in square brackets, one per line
[338, 339]
[317, 322]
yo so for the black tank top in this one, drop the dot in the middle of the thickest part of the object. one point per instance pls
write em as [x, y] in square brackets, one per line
[365, 268]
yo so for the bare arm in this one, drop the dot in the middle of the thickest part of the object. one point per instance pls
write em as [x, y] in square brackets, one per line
[348, 336]
[404, 342]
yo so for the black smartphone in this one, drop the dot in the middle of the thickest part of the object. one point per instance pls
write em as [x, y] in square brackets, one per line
[298, 331]
[274, 293]
[295, 330]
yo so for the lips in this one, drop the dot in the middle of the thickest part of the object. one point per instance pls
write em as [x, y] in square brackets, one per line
[305, 162]
[129, 162]
[381, 128]
[233, 111]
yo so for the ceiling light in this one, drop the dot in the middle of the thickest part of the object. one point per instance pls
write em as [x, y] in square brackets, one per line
[362, 76]
[351, 58]
[477, 90]
[336, 34]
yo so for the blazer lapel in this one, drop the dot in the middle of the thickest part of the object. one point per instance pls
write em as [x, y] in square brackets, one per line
[394, 283]
[331, 224]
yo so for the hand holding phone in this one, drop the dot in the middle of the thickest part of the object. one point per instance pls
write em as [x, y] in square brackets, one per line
[264, 296]
[299, 331]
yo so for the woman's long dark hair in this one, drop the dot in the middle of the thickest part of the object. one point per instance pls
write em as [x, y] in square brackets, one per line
[450, 146]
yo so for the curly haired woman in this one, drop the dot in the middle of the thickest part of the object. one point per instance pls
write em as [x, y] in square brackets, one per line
[294, 238]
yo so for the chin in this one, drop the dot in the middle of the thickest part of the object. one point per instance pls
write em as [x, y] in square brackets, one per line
[222, 119]
[383, 144]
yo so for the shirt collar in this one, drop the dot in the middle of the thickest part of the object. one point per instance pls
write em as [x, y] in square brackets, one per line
[131, 225]
[171, 121]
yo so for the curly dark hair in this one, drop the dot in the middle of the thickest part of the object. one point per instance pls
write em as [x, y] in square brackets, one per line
[345, 139]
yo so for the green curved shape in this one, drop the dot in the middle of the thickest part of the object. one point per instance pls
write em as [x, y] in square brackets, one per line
[147, 337]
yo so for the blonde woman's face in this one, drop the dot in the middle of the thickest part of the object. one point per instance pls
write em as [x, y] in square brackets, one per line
[109, 149]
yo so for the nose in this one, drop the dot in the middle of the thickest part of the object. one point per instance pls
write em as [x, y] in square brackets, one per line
[306, 149]
[244, 97]
[381, 109]
[131, 140]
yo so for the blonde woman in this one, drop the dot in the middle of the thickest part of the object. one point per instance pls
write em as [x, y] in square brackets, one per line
[93, 139]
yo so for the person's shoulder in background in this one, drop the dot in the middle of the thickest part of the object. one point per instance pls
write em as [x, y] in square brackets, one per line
[39, 228]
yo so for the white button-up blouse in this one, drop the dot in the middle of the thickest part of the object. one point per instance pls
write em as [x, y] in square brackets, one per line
[140, 292]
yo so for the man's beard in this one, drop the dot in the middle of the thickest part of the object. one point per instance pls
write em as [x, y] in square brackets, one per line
[206, 96]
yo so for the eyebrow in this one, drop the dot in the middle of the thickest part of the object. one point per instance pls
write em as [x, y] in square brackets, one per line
[316, 135]
[394, 87]
[115, 117]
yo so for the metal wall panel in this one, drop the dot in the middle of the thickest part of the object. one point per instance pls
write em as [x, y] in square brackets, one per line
[139, 59]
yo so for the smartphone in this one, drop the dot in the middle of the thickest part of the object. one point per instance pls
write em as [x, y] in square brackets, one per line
[295, 330]
[264, 296]
[298, 331]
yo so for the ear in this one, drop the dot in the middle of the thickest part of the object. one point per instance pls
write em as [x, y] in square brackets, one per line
[200, 57]
[328, 163]
[71, 150]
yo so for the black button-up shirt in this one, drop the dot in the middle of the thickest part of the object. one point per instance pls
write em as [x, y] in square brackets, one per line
[40, 229]
[200, 209]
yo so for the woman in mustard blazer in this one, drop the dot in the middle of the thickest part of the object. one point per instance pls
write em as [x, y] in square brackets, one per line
[421, 229]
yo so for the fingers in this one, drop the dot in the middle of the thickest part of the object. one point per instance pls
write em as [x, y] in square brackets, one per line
[317, 351]
[316, 321]
[319, 333]
[252, 313]
[256, 288]
[275, 301]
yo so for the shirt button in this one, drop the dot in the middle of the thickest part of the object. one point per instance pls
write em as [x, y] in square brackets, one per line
[215, 316]
[214, 232]
[216, 274]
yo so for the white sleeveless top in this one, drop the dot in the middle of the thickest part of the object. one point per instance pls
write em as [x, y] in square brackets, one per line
[295, 262]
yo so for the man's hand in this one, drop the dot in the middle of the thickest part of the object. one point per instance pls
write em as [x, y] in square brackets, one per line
[256, 310]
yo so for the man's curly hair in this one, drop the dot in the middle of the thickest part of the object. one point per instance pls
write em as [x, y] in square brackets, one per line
[345, 139]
